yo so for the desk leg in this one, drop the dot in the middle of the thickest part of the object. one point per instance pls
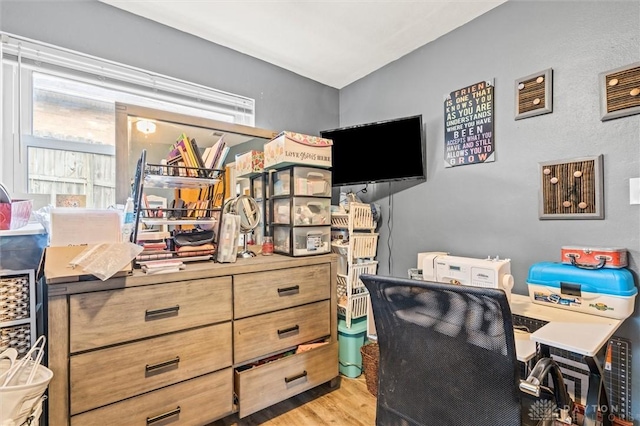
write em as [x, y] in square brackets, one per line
[596, 394]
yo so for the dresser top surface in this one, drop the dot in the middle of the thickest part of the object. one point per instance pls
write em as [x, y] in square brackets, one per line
[193, 271]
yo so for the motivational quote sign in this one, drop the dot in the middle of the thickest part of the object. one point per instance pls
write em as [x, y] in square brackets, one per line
[468, 125]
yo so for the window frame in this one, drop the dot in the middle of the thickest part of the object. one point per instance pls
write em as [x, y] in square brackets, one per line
[21, 57]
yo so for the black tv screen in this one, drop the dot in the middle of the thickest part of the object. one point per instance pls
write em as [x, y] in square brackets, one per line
[377, 152]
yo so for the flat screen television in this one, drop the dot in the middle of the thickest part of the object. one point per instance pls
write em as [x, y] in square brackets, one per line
[377, 152]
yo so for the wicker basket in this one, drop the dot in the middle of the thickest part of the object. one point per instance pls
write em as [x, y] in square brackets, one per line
[370, 355]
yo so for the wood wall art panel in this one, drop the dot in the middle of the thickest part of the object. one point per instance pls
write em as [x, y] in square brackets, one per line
[620, 92]
[572, 189]
[534, 94]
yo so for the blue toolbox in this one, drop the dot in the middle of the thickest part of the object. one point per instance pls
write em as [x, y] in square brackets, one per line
[603, 292]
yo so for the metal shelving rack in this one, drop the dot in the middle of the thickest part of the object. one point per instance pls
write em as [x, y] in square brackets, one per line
[164, 176]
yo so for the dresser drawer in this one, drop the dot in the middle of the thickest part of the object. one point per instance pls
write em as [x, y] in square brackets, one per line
[261, 335]
[262, 386]
[108, 375]
[108, 317]
[197, 401]
[261, 292]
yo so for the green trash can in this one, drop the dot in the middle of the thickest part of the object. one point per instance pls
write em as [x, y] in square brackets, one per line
[350, 340]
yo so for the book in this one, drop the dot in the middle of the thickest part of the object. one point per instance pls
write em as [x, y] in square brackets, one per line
[223, 156]
[153, 235]
[217, 150]
[184, 171]
[186, 149]
[198, 157]
[205, 155]
[217, 195]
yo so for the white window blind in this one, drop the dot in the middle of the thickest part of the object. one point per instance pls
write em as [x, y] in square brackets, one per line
[63, 62]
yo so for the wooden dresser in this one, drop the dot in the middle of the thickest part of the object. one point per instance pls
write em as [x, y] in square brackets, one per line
[189, 348]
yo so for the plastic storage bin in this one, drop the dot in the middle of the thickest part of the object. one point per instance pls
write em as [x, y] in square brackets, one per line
[299, 180]
[301, 241]
[604, 292]
[302, 211]
[350, 340]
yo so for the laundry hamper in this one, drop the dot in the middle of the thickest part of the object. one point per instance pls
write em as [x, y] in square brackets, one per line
[370, 356]
[21, 403]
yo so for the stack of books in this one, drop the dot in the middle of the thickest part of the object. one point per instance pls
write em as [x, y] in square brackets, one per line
[186, 159]
[154, 246]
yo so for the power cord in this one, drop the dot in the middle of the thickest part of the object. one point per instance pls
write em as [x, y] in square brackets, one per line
[390, 227]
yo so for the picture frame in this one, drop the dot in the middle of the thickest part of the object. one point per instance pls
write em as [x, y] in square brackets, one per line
[620, 92]
[534, 94]
[572, 189]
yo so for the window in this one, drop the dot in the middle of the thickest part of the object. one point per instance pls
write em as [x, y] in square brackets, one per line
[64, 104]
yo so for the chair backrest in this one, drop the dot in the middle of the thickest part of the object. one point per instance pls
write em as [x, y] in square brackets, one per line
[447, 354]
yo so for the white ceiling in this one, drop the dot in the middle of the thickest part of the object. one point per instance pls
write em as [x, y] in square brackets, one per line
[334, 42]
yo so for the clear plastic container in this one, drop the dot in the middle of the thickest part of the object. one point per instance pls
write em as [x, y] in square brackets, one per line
[298, 180]
[302, 241]
[302, 211]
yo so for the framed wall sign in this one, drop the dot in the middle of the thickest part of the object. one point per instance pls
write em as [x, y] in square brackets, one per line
[468, 125]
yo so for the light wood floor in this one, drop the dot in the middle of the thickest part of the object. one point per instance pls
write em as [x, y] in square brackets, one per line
[349, 403]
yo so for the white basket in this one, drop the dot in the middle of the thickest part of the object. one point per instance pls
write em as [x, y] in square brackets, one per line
[339, 220]
[359, 269]
[356, 308]
[364, 245]
[361, 216]
[19, 401]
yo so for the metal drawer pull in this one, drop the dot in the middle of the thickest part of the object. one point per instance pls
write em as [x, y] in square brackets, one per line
[159, 417]
[162, 311]
[163, 364]
[287, 291]
[296, 377]
[294, 329]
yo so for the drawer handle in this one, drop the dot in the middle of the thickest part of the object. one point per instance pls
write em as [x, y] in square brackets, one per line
[288, 291]
[162, 311]
[295, 329]
[296, 377]
[150, 368]
[159, 417]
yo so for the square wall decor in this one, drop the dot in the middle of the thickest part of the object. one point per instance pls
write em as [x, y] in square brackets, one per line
[620, 92]
[572, 189]
[534, 94]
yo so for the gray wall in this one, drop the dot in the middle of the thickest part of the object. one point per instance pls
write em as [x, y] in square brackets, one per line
[284, 100]
[491, 209]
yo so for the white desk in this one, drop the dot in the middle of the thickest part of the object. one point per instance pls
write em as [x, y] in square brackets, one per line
[526, 348]
[576, 332]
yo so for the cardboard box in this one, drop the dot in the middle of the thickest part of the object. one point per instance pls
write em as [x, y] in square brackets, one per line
[16, 214]
[289, 148]
[56, 269]
[77, 226]
[250, 163]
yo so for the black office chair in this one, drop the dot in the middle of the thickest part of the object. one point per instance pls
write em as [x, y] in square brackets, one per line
[447, 358]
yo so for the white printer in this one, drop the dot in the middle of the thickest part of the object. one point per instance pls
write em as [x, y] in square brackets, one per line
[490, 273]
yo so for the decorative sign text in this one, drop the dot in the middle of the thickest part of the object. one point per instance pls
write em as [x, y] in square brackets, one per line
[468, 125]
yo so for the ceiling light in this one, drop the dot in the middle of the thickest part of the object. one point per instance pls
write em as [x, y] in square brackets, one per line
[146, 126]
